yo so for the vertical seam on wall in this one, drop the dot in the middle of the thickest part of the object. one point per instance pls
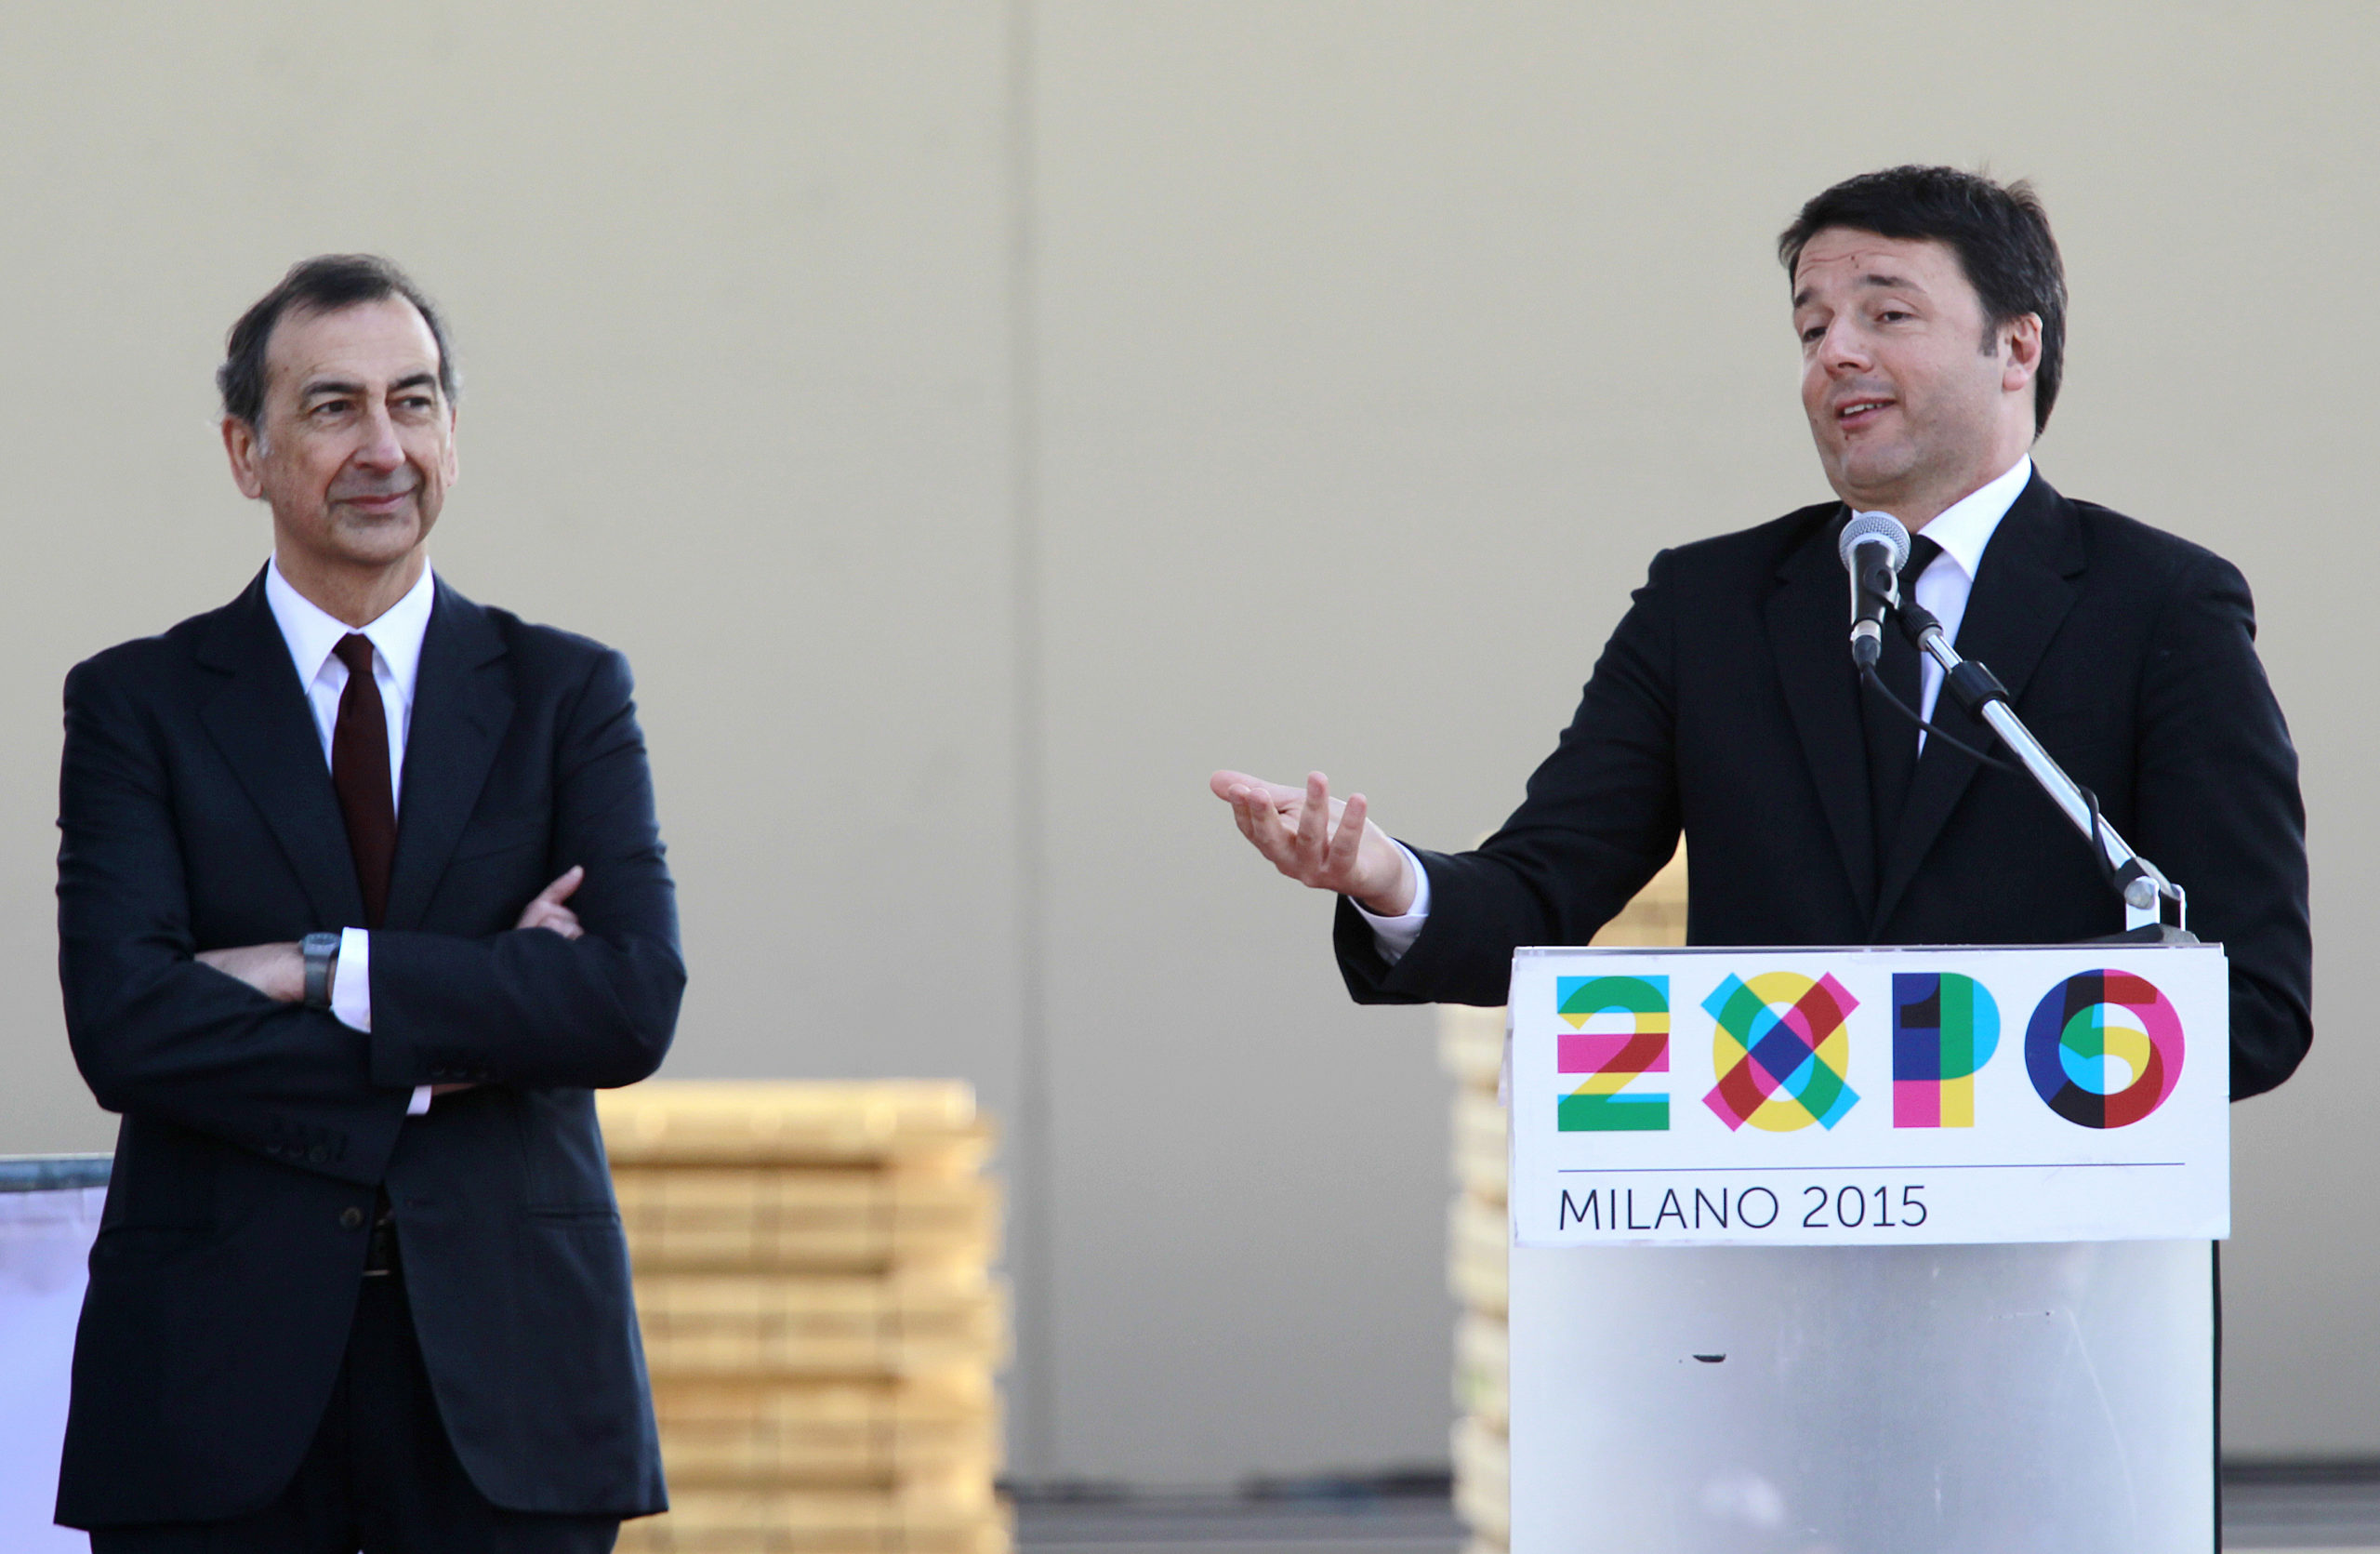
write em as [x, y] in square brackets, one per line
[1031, 1170]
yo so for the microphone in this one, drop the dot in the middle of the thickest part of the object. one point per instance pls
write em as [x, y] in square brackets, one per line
[1874, 547]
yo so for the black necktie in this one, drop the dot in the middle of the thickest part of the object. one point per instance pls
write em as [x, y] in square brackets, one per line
[1892, 739]
[360, 775]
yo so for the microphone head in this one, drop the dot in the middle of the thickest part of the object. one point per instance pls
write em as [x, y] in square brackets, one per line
[1871, 527]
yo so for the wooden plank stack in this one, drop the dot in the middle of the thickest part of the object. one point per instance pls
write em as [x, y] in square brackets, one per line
[812, 1278]
[1470, 1049]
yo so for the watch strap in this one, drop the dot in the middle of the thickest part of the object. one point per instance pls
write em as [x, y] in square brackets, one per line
[321, 952]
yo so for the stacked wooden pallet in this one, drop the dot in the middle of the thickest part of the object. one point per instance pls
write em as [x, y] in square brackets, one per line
[1470, 1049]
[813, 1277]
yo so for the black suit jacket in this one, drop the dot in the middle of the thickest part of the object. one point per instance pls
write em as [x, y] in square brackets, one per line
[1725, 704]
[197, 813]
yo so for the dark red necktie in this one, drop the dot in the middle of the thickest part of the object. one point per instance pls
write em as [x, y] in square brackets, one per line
[360, 773]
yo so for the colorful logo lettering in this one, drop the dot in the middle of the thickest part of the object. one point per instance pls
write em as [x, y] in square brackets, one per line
[1945, 1029]
[1780, 1052]
[2094, 1029]
[1615, 1053]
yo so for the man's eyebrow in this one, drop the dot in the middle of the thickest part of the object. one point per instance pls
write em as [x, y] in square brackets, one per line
[348, 388]
[1874, 281]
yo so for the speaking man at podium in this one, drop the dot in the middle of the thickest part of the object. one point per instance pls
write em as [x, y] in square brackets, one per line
[1930, 305]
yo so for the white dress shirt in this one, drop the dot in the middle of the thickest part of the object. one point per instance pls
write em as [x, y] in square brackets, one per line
[1964, 530]
[313, 633]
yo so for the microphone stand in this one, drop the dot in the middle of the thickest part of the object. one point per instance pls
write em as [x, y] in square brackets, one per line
[2154, 906]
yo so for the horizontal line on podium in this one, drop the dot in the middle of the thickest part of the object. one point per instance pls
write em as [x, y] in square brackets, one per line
[1741, 1170]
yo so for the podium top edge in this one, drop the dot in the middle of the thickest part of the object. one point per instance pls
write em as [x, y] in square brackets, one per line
[1532, 950]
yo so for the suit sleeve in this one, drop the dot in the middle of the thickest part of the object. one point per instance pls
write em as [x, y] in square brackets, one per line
[154, 1030]
[527, 1007]
[2218, 810]
[1599, 819]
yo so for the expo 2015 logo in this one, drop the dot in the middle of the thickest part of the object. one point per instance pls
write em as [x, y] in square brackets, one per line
[2103, 1049]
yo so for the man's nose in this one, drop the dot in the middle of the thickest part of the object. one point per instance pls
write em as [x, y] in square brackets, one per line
[1845, 347]
[379, 449]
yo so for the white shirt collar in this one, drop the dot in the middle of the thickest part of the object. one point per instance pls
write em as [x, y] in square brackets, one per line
[1964, 528]
[312, 632]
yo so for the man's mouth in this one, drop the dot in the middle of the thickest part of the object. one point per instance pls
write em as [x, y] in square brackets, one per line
[1852, 414]
[377, 501]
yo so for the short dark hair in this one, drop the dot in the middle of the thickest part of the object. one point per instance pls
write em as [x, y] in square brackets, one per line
[325, 283]
[2000, 233]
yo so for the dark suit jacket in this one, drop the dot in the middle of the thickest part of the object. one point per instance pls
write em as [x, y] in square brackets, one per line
[1725, 704]
[197, 813]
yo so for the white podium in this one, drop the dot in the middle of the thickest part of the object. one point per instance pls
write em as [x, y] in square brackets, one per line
[1867, 1252]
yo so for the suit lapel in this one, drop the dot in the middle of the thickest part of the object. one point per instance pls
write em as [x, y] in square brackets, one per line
[1806, 620]
[2026, 587]
[462, 703]
[261, 724]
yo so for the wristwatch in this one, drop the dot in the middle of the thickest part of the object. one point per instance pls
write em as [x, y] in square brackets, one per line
[320, 951]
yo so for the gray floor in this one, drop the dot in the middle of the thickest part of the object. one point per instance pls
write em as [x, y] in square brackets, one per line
[2342, 1514]
[1352, 1525]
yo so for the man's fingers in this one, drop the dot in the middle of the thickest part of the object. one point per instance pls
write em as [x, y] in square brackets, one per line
[1225, 782]
[561, 919]
[560, 890]
[1260, 817]
[1348, 840]
[1260, 822]
[1273, 834]
[546, 910]
[1314, 823]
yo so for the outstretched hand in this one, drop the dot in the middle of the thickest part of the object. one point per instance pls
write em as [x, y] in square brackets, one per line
[1319, 841]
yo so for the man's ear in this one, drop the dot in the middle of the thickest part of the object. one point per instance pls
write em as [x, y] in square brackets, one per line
[245, 450]
[2021, 351]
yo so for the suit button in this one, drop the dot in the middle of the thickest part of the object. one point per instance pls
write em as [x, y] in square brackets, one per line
[319, 1153]
[350, 1219]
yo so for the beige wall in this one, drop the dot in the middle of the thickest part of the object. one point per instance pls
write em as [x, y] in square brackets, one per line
[978, 420]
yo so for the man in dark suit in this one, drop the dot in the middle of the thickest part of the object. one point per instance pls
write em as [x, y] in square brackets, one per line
[359, 891]
[1930, 306]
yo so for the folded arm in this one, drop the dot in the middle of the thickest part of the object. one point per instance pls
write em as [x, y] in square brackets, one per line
[532, 1006]
[278, 971]
[156, 1030]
